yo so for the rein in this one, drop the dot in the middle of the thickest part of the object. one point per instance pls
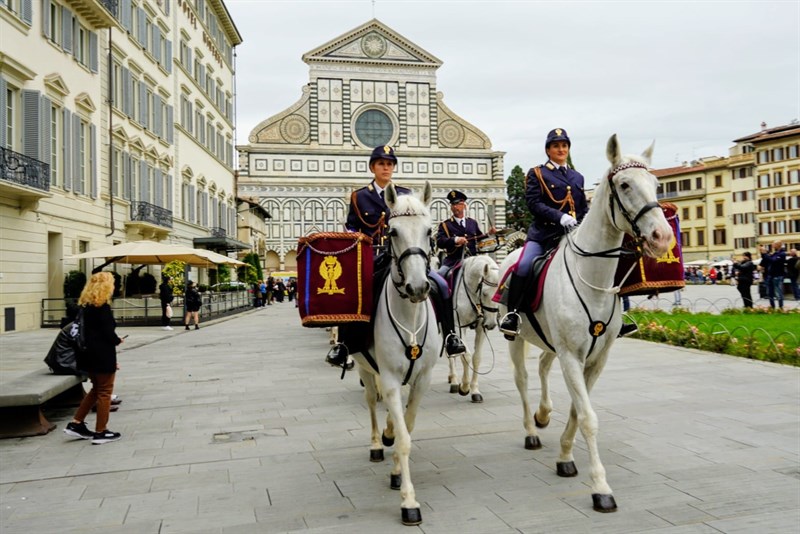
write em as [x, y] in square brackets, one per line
[413, 351]
[615, 196]
[412, 251]
[478, 307]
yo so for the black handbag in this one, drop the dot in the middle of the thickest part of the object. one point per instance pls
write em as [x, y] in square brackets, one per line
[62, 357]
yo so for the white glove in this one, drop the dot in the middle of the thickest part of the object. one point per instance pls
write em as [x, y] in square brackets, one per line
[568, 221]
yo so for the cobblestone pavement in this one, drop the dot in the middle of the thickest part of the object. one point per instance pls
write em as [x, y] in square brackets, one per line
[240, 427]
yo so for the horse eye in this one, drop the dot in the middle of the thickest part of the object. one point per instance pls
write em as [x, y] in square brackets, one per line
[392, 232]
[624, 185]
[430, 232]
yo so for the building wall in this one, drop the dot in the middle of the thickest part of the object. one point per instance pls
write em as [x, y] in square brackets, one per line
[45, 69]
[304, 162]
[777, 178]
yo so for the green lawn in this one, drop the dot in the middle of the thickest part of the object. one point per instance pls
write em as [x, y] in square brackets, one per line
[760, 335]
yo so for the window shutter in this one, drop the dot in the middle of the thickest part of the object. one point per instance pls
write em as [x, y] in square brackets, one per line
[93, 187]
[168, 55]
[66, 29]
[127, 101]
[26, 12]
[205, 208]
[125, 15]
[46, 19]
[169, 204]
[126, 176]
[170, 125]
[77, 177]
[142, 99]
[44, 129]
[66, 145]
[158, 197]
[93, 52]
[142, 27]
[30, 123]
[114, 170]
[191, 118]
[144, 190]
[189, 64]
[191, 204]
[3, 118]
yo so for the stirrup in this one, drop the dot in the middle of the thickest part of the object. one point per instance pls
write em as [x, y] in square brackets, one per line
[507, 318]
[454, 346]
[337, 357]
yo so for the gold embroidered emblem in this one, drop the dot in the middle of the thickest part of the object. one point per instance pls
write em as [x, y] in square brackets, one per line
[387, 149]
[558, 131]
[598, 329]
[330, 269]
[669, 257]
[414, 352]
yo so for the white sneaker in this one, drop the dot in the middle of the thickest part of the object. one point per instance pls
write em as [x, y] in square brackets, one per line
[167, 327]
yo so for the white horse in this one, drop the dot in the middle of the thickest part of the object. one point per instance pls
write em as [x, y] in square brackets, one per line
[580, 315]
[475, 286]
[406, 340]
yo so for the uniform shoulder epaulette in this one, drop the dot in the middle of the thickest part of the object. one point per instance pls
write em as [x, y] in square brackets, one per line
[549, 166]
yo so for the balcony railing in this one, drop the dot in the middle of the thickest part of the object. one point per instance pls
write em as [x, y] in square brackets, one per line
[677, 194]
[216, 231]
[145, 212]
[24, 170]
[112, 6]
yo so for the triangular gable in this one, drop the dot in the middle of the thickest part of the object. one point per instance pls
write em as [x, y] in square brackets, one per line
[136, 144]
[372, 42]
[84, 101]
[55, 83]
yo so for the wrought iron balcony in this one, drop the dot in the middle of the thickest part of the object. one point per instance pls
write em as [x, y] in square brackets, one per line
[216, 231]
[150, 213]
[112, 6]
[23, 170]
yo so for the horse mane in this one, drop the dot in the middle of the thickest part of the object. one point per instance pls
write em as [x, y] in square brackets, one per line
[409, 206]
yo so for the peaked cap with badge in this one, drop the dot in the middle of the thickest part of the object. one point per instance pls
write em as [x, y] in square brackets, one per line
[559, 134]
[454, 197]
[382, 152]
[451, 228]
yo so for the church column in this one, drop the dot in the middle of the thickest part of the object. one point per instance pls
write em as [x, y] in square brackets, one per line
[313, 112]
[402, 140]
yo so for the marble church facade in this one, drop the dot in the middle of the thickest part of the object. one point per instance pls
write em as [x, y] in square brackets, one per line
[367, 87]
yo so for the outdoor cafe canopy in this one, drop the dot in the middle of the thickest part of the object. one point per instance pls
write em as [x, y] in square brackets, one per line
[155, 253]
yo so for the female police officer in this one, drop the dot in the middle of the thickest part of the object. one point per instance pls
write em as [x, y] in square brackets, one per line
[554, 195]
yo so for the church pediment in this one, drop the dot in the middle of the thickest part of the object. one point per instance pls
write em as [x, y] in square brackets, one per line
[372, 42]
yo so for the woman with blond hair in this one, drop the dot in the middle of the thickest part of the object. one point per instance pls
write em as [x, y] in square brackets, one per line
[99, 360]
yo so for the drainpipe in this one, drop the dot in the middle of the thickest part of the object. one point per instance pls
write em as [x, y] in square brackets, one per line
[110, 101]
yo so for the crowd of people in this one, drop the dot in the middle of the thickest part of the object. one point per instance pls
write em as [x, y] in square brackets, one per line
[266, 292]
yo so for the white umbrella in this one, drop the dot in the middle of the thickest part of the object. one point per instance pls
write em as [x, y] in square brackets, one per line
[217, 258]
[155, 253]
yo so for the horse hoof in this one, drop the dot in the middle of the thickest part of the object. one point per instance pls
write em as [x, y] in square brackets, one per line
[477, 398]
[453, 389]
[604, 503]
[533, 443]
[462, 392]
[376, 455]
[411, 516]
[387, 442]
[538, 424]
[567, 469]
[394, 482]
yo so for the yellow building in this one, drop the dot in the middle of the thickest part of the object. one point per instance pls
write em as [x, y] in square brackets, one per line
[777, 183]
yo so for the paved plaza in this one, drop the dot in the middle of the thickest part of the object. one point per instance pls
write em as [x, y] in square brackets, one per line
[240, 427]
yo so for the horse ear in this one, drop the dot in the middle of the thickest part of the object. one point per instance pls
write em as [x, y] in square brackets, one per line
[427, 194]
[612, 151]
[390, 196]
[648, 153]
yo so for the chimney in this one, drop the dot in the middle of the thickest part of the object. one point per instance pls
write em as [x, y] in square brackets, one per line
[763, 126]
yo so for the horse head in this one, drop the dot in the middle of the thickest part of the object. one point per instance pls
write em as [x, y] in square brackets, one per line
[410, 242]
[633, 206]
[481, 278]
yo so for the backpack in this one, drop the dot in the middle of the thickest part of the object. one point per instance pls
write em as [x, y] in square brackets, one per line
[61, 358]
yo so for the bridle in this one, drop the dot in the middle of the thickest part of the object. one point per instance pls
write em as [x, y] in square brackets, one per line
[477, 307]
[637, 233]
[409, 252]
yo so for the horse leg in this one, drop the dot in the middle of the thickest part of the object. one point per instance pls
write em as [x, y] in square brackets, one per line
[451, 377]
[480, 336]
[371, 396]
[579, 383]
[517, 350]
[463, 387]
[400, 477]
[542, 415]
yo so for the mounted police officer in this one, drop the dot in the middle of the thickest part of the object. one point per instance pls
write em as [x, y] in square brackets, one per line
[369, 214]
[458, 234]
[554, 195]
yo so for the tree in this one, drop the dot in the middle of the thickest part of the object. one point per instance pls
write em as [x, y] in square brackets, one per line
[517, 214]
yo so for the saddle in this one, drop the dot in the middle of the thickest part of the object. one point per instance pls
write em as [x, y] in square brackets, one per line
[531, 287]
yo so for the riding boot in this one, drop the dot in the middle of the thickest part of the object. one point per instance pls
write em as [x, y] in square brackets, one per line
[444, 311]
[509, 325]
[627, 328]
[337, 357]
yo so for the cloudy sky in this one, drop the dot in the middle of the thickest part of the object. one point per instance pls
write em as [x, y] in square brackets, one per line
[691, 75]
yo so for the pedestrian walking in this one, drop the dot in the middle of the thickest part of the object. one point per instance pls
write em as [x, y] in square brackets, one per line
[165, 295]
[193, 303]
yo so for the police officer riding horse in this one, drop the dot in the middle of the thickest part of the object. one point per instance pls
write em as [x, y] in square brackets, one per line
[369, 214]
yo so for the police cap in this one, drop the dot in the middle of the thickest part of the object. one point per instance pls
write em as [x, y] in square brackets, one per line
[456, 196]
[383, 152]
[558, 134]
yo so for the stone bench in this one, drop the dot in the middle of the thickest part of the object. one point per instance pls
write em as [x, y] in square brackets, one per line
[22, 399]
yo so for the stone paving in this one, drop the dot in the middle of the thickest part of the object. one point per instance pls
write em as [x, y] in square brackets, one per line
[241, 427]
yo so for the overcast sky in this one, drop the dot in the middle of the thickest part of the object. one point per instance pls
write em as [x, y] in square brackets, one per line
[691, 75]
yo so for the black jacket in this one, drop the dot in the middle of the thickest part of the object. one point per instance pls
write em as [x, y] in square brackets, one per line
[100, 355]
[165, 293]
[745, 270]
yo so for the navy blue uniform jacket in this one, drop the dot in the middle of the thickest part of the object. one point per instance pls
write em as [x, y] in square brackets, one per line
[368, 212]
[548, 206]
[446, 235]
